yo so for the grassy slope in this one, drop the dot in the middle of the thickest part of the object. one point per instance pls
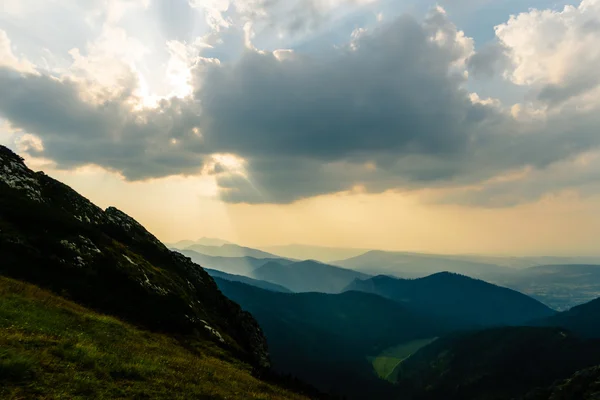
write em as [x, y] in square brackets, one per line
[385, 364]
[51, 348]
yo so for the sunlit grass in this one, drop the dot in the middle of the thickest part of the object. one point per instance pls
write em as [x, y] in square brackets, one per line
[54, 349]
[385, 364]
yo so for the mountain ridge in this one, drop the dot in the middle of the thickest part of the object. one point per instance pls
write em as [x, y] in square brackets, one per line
[54, 237]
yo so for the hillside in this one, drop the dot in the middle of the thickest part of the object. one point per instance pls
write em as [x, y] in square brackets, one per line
[462, 301]
[582, 385]
[497, 364]
[307, 276]
[55, 238]
[52, 348]
[249, 281]
[327, 339]
[583, 319]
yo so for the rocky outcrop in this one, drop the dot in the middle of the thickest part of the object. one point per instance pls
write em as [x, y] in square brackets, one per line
[54, 237]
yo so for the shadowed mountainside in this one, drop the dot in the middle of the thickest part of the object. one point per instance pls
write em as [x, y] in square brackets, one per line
[460, 300]
[55, 238]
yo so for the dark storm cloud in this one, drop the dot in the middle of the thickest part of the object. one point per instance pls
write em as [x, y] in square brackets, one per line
[489, 61]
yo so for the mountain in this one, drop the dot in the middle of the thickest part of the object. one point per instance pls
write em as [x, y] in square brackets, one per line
[319, 253]
[53, 348]
[583, 319]
[326, 339]
[496, 364]
[464, 301]
[53, 237]
[307, 276]
[231, 265]
[249, 281]
[229, 250]
[415, 265]
[182, 244]
[559, 286]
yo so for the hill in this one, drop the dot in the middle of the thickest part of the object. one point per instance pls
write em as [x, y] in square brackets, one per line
[307, 276]
[460, 300]
[309, 252]
[415, 265]
[583, 319]
[229, 250]
[496, 364]
[52, 348]
[249, 281]
[327, 339]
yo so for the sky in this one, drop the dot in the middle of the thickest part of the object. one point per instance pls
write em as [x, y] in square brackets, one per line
[462, 126]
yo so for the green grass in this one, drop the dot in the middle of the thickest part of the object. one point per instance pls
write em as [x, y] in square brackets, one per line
[385, 364]
[51, 348]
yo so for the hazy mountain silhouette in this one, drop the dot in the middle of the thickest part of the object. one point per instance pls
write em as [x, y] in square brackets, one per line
[231, 265]
[230, 250]
[415, 265]
[465, 301]
[249, 281]
[205, 241]
[310, 252]
[307, 276]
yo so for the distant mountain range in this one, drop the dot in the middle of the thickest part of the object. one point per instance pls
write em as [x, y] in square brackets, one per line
[232, 265]
[309, 252]
[229, 250]
[558, 286]
[307, 276]
[414, 265]
[205, 241]
[248, 281]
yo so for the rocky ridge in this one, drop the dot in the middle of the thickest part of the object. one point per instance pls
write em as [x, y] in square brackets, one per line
[55, 238]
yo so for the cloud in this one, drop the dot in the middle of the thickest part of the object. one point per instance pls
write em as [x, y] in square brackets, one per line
[9, 59]
[109, 132]
[488, 61]
[556, 52]
[388, 111]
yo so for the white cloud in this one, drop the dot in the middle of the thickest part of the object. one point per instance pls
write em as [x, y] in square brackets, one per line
[556, 52]
[9, 59]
